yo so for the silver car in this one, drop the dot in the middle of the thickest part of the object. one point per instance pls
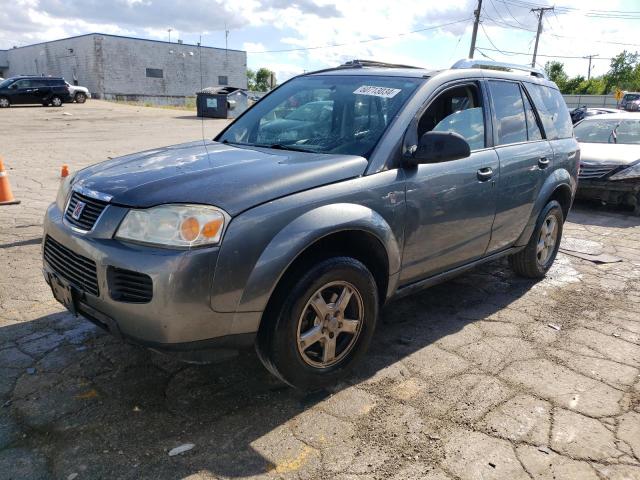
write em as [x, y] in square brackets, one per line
[610, 159]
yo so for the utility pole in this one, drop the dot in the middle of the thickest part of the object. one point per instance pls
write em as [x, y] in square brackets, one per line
[540, 12]
[589, 71]
[169, 30]
[475, 29]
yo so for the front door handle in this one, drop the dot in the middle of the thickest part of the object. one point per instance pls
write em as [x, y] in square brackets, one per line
[485, 174]
[543, 162]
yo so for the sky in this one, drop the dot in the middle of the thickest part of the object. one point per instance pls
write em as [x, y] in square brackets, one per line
[293, 36]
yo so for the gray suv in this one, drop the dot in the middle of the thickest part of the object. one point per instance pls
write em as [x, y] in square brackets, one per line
[292, 239]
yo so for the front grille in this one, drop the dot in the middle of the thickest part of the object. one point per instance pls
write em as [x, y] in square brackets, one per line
[129, 286]
[90, 213]
[595, 171]
[76, 269]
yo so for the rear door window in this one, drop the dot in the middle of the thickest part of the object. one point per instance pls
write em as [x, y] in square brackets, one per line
[508, 107]
[553, 111]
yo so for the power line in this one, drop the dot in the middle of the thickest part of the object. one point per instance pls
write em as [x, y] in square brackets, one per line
[509, 52]
[619, 14]
[557, 35]
[374, 39]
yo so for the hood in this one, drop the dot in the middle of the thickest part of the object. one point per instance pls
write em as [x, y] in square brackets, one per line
[212, 173]
[609, 153]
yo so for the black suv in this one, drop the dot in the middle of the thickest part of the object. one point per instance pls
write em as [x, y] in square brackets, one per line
[24, 90]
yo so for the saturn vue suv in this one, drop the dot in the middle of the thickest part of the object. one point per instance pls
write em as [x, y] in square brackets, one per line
[293, 241]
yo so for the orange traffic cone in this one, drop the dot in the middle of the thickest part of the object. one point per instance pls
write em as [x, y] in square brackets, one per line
[6, 197]
[64, 172]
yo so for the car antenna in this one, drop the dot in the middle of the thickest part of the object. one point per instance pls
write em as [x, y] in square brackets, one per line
[204, 142]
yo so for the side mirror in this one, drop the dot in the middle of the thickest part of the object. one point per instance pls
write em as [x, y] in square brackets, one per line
[435, 147]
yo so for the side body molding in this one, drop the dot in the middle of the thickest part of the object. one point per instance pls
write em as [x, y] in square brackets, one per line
[304, 231]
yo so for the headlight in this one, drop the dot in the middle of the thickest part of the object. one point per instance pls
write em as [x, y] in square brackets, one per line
[629, 172]
[174, 225]
[63, 192]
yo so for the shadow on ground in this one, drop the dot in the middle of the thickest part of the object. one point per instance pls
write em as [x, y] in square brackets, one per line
[110, 410]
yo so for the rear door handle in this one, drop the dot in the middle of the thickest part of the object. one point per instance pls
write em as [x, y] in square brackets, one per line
[543, 162]
[485, 174]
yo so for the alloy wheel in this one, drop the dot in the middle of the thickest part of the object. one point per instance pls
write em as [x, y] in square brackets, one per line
[547, 239]
[330, 324]
[4, 103]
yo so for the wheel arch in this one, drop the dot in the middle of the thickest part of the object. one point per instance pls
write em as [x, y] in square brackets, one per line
[559, 186]
[331, 230]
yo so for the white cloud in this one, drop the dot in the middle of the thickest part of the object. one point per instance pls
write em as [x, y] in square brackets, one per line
[259, 25]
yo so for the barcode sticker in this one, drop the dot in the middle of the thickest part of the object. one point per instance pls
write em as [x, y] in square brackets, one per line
[383, 92]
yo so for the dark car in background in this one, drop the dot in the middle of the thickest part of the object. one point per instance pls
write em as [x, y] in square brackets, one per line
[404, 178]
[630, 102]
[610, 159]
[583, 112]
[26, 90]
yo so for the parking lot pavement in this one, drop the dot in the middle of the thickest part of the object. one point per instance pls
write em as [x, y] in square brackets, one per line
[485, 377]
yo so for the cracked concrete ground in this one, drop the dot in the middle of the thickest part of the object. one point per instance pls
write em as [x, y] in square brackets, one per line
[465, 381]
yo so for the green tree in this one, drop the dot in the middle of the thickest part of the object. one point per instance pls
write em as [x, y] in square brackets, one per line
[623, 72]
[251, 80]
[555, 72]
[260, 81]
[572, 85]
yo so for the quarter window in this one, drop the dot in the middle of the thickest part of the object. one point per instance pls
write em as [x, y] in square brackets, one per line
[511, 126]
[553, 111]
[457, 110]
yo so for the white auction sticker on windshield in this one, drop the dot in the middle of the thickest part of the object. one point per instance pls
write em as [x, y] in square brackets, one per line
[377, 91]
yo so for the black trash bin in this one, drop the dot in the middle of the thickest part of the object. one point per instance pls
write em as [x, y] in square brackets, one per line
[221, 102]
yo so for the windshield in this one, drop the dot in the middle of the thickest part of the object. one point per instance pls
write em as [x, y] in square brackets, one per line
[631, 96]
[609, 131]
[5, 83]
[324, 114]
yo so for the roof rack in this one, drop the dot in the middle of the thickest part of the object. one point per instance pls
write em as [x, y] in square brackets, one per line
[374, 63]
[491, 65]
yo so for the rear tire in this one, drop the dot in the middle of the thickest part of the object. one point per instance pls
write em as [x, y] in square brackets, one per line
[322, 324]
[4, 102]
[535, 260]
[56, 101]
[80, 97]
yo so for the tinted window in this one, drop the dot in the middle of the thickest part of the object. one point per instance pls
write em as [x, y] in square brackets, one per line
[609, 131]
[324, 114]
[553, 111]
[533, 129]
[457, 110]
[511, 126]
[223, 80]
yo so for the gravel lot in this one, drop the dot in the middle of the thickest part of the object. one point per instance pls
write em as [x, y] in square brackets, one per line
[485, 377]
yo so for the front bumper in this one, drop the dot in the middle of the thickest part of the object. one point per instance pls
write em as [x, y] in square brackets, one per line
[178, 316]
[618, 192]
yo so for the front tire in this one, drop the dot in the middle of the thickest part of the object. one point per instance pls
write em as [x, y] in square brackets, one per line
[4, 102]
[535, 260]
[80, 97]
[321, 325]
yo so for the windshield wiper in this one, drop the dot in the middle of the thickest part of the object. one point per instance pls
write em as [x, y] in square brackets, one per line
[279, 146]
